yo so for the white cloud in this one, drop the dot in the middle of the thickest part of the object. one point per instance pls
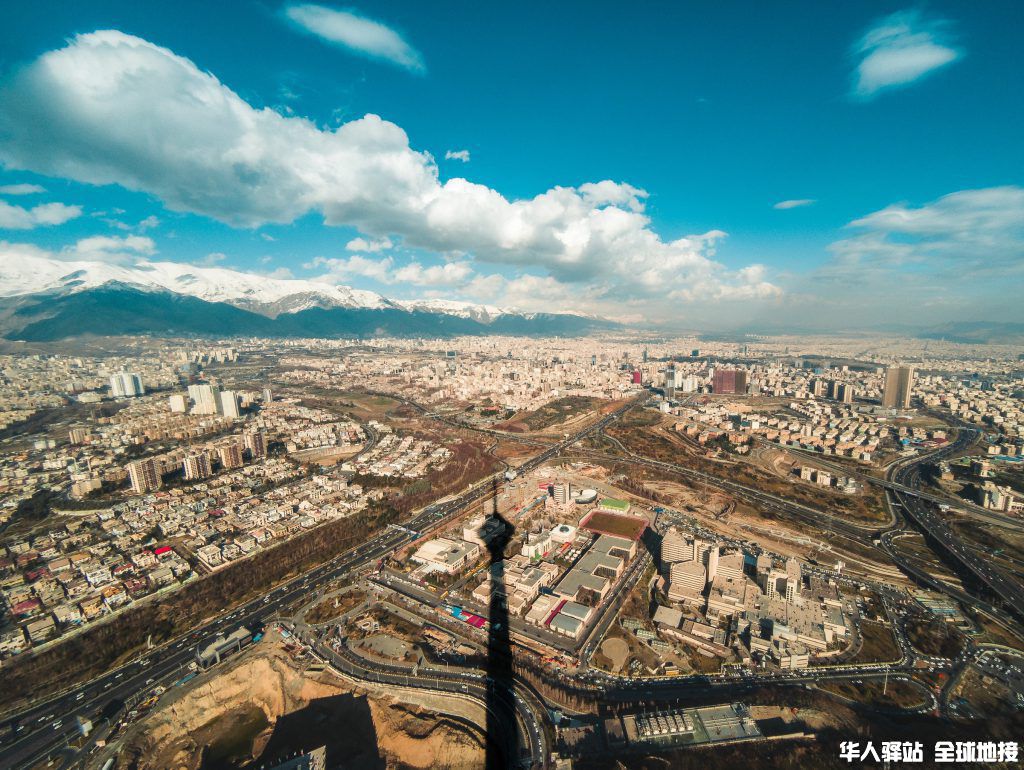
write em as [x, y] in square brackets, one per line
[356, 33]
[448, 274]
[960, 254]
[281, 273]
[357, 266]
[899, 50]
[21, 189]
[268, 237]
[794, 204]
[608, 193]
[370, 245]
[110, 108]
[386, 271]
[110, 248]
[462, 155]
[976, 229]
[45, 214]
[211, 259]
[148, 223]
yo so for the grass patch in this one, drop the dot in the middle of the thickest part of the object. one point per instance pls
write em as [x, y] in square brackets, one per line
[877, 644]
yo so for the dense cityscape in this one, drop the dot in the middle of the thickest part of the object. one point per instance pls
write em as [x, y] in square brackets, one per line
[729, 533]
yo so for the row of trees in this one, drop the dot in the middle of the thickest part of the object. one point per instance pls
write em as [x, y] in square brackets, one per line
[104, 645]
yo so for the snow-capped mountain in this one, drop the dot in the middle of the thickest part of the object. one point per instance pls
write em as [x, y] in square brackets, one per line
[30, 274]
[483, 313]
[43, 298]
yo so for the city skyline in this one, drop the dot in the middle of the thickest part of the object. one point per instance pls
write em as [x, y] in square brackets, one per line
[779, 166]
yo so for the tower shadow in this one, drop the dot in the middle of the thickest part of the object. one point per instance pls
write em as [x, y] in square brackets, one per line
[502, 731]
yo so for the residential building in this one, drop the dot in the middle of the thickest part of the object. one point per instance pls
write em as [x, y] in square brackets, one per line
[899, 381]
[143, 476]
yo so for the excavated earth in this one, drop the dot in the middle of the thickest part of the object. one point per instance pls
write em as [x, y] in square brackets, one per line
[263, 709]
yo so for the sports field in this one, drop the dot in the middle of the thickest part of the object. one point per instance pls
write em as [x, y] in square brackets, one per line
[615, 524]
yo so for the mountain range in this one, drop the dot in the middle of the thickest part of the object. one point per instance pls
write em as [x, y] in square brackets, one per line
[43, 299]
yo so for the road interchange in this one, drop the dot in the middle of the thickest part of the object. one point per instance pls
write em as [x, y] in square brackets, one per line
[36, 738]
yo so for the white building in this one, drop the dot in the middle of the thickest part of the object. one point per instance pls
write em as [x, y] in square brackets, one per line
[227, 404]
[444, 555]
[204, 398]
[126, 385]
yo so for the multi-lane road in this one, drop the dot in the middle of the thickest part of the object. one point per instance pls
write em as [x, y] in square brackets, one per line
[929, 518]
[48, 726]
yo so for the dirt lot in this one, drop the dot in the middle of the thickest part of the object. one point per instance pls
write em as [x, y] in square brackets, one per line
[934, 637]
[629, 527]
[263, 708]
[985, 694]
[562, 413]
[650, 435]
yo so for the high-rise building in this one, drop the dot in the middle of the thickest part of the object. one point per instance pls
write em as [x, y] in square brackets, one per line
[713, 556]
[227, 404]
[78, 435]
[197, 465]
[126, 385]
[230, 454]
[841, 391]
[688, 384]
[792, 579]
[686, 582]
[255, 444]
[268, 395]
[637, 377]
[178, 403]
[204, 398]
[561, 493]
[729, 566]
[729, 381]
[675, 547]
[143, 476]
[898, 383]
[819, 388]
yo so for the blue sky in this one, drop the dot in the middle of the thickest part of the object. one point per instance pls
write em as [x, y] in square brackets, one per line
[896, 128]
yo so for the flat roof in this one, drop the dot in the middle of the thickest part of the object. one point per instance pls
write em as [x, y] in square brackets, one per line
[575, 610]
[566, 623]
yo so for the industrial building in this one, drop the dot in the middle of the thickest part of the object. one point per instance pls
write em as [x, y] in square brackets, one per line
[727, 723]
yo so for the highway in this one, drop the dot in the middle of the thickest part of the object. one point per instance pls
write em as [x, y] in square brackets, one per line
[928, 519]
[45, 727]
[530, 712]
